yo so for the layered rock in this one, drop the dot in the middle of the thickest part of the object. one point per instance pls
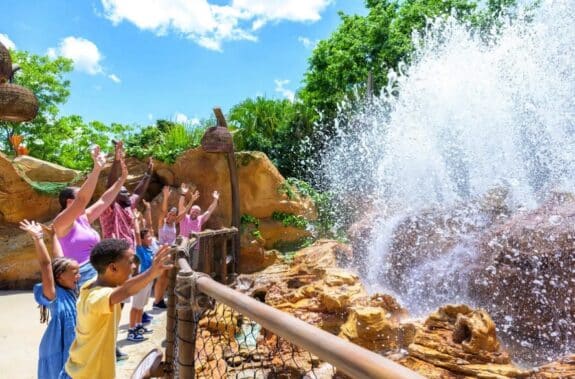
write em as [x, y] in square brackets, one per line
[262, 193]
[18, 200]
[457, 341]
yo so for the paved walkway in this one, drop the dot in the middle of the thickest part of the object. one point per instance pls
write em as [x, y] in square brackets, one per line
[21, 331]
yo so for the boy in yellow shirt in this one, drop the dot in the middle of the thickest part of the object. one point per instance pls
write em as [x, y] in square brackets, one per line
[93, 352]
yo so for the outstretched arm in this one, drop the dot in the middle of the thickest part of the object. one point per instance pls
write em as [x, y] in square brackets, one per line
[137, 283]
[212, 207]
[56, 247]
[137, 228]
[63, 222]
[34, 230]
[116, 170]
[148, 216]
[183, 210]
[107, 197]
[142, 186]
[166, 190]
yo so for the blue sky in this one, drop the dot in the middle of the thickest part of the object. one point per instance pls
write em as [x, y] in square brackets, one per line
[140, 60]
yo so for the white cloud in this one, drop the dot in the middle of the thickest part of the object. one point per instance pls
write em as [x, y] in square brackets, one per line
[83, 52]
[284, 91]
[6, 41]
[150, 116]
[209, 24]
[195, 121]
[114, 78]
[180, 118]
[306, 42]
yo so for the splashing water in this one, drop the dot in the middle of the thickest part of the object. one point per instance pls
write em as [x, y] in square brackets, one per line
[467, 116]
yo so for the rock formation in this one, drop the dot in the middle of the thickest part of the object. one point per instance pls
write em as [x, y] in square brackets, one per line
[261, 196]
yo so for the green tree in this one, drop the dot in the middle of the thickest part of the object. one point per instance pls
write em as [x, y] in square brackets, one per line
[374, 43]
[276, 127]
[45, 77]
[63, 140]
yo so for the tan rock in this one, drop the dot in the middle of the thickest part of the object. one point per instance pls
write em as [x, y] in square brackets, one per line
[260, 184]
[42, 171]
[372, 328]
[276, 235]
[463, 341]
[18, 200]
[562, 368]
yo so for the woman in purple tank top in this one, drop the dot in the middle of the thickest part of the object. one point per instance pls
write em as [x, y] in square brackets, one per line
[72, 225]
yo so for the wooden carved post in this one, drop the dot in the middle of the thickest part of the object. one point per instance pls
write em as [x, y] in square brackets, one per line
[186, 329]
[218, 139]
[171, 322]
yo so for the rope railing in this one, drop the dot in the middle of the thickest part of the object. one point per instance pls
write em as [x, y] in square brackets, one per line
[214, 331]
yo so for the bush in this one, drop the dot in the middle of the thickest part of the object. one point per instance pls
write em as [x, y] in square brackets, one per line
[164, 141]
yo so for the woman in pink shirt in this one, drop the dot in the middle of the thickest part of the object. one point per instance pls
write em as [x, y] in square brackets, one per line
[193, 218]
[72, 225]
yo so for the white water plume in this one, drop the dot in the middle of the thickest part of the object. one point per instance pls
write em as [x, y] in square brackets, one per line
[471, 113]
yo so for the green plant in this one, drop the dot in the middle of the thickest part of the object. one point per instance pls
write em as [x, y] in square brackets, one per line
[164, 141]
[289, 219]
[287, 189]
[249, 223]
[249, 219]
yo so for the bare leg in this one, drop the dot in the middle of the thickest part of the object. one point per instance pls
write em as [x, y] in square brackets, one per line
[160, 287]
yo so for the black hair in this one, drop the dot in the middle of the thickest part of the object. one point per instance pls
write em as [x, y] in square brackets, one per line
[59, 266]
[65, 194]
[143, 232]
[107, 251]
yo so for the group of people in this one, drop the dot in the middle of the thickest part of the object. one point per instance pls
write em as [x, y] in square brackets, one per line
[87, 278]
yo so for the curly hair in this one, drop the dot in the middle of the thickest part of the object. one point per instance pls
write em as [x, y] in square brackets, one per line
[107, 251]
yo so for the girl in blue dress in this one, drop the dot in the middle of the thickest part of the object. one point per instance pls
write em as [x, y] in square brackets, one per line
[56, 296]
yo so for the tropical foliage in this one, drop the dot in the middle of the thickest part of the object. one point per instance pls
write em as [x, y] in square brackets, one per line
[165, 140]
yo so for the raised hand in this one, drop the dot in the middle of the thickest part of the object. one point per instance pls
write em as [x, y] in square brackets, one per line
[162, 260]
[216, 195]
[98, 157]
[184, 188]
[124, 170]
[146, 204]
[150, 165]
[166, 191]
[33, 229]
[119, 152]
[195, 196]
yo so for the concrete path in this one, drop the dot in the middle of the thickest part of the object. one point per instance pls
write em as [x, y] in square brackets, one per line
[21, 331]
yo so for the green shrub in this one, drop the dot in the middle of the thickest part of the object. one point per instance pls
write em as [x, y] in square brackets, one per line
[164, 141]
[289, 219]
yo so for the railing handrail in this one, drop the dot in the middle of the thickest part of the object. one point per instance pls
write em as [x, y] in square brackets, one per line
[352, 359]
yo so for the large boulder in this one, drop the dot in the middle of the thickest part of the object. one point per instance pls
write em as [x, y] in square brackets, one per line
[18, 200]
[526, 281]
[459, 342]
[41, 171]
